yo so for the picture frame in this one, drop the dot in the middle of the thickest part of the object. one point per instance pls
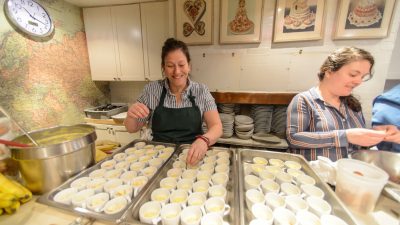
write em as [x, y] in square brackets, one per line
[240, 21]
[299, 20]
[355, 21]
[194, 21]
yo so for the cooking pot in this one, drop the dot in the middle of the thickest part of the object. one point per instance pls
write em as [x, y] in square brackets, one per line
[63, 151]
[388, 161]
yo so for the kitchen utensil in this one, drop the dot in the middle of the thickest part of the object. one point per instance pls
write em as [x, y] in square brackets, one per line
[359, 184]
[19, 126]
[13, 143]
[64, 152]
[106, 111]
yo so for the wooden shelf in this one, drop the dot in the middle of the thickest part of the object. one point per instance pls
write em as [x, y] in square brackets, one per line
[252, 143]
[263, 98]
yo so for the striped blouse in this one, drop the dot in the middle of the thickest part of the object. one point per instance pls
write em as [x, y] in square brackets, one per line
[152, 93]
[316, 128]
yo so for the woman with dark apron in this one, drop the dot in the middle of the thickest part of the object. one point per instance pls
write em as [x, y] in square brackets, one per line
[176, 106]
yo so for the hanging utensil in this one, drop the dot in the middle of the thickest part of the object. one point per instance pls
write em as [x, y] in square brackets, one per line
[19, 127]
[13, 143]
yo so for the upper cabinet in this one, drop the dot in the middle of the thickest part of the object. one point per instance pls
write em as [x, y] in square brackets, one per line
[125, 42]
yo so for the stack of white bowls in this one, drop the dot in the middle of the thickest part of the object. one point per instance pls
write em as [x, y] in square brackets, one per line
[278, 124]
[226, 108]
[244, 126]
[227, 124]
[262, 115]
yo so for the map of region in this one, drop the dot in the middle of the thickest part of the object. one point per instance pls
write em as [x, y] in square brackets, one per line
[45, 83]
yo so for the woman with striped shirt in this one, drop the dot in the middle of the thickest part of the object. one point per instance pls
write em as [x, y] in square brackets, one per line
[327, 120]
[176, 105]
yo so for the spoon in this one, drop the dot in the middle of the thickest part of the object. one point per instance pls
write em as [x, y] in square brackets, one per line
[13, 143]
[19, 127]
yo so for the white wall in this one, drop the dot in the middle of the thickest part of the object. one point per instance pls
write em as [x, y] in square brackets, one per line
[280, 67]
[394, 66]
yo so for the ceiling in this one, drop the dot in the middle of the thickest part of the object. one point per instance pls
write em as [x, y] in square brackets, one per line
[91, 3]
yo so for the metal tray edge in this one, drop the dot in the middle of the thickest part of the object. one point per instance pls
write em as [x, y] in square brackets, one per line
[45, 198]
[325, 187]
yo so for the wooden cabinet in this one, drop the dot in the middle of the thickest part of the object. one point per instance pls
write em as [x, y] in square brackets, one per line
[124, 42]
[115, 133]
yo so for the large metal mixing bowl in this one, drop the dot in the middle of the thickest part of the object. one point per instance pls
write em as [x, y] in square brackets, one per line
[388, 161]
[63, 152]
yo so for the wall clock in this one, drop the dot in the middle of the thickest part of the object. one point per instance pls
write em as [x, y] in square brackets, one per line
[29, 17]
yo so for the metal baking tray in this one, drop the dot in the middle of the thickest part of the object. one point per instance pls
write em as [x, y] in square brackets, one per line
[246, 155]
[96, 114]
[48, 198]
[132, 214]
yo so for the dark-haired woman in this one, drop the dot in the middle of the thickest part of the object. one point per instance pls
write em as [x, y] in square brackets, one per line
[176, 106]
[327, 120]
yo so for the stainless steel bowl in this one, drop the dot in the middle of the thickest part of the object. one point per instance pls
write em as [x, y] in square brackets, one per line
[388, 161]
[63, 152]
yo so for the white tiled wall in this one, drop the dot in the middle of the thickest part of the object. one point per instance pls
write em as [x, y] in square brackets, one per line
[283, 67]
[125, 92]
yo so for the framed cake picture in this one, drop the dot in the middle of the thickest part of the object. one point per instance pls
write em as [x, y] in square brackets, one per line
[194, 21]
[240, 21]
[363, 19]
[299, 20]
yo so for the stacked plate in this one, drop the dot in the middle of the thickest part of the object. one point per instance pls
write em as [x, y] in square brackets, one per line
[244, 126]
[227, 124]
[226, 108]
[262, 115]
[278, 124]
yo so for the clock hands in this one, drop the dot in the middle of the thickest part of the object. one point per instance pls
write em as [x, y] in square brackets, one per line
[33, 16]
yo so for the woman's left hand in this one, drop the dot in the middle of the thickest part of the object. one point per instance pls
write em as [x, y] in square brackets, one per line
[196, 152]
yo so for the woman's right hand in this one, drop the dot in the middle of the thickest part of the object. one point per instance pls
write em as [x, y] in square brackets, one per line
[365, 137]
[138, 111]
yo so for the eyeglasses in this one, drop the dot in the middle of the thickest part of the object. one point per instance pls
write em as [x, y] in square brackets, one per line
[366, 77]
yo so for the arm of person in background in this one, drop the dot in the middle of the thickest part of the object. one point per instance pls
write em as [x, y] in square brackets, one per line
[199, 147]
[135, 118]
[300, 119]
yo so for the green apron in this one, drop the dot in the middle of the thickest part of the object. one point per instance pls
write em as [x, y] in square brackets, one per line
[172, 125]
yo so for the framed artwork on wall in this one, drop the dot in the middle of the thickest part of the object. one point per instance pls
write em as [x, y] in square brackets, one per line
[240, 21]
[363, 19]
[299, 20]
[194, 21]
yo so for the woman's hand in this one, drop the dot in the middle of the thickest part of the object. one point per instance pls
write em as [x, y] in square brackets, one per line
[138, 110]
[365, 137]
[392, 133]
[196, 152]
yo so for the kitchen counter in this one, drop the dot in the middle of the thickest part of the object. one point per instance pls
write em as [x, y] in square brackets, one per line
[33, 213]
[386, 212]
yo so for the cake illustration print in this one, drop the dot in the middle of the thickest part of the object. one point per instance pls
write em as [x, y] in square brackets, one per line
[241, 24]
[299, 16]
[194, 10]
[364, 14]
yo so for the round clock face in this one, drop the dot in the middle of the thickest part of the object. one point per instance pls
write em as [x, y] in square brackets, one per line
[30, 17]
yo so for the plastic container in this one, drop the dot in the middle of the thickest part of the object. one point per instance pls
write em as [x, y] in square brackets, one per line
[359, 184]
